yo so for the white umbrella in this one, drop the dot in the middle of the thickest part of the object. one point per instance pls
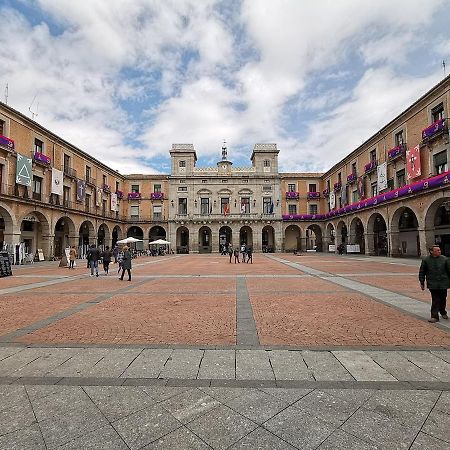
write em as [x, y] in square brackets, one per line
[128, 240]
[160, 241]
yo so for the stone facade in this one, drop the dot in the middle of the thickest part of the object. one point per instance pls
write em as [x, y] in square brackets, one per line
[200, 209]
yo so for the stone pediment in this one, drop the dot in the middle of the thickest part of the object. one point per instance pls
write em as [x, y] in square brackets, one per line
[204, 191]
[245, 191]
[225, 192]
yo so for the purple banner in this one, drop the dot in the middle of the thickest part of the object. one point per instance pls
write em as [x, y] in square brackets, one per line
[429, 183]
[370, 166]
[326, 192]
[337, 187]
[42, 158]
[313, 194]
[6, 142]
[119, 194]
[157, 195]
[351, 178]
[396, 151]
[439, 125]
[292, 194]
[134, 195]
[106, 188]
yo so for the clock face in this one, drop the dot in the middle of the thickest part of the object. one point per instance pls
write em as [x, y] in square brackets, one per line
[224, 166]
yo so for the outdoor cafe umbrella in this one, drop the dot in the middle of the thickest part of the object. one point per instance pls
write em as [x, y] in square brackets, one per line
[128, 240]
[160, 241]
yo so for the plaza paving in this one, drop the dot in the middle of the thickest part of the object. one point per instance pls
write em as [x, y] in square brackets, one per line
[311, 351]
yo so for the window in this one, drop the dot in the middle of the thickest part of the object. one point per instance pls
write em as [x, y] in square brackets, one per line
[313, 209]
[291, 188]
[399, 138]
[156, 188]
[104, 207]
[105, 179]
[340, 201]
[401, 180]
[157, 212]
[38, 146]
[312, 188]
[437, 113]
[66, 196]
[267, 188]
[354, 168]
[225, 205]
[182, 164]
[328, 185]
[267, 205]
[66, 163]
[374, 189]
[2, 127]
[135, 188]
[355, 196]
[245, 205]
[87, 203]
[373, 155]
[266, 163]
[204, 181]
[182, 206]
[134, 212]
[292, 209]
[37, 188]
[204, 206]
[88, 173]
[117, 186]
[339, 178]
[440, 162]
[390, 184]
[182, 188]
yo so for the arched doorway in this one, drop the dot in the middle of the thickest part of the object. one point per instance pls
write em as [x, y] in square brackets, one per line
[182, 240]
[378, 229]
[245, 236]
[137, 233]
[156, 233]
[116, 235]
[268, 239]
[35, 233]
[6, 228]
[357, 234]
[437, 225]
[330, 237]
[103, 237]
[86, 237]
[204, 240]
[314, 238]
[405, 233]
[292, 239]
[64, 235]
[225, 237]
[342, 233]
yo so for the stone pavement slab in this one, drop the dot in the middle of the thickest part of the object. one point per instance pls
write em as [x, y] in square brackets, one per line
[253, 365]
[182, 364]
[148, 364]
[218, 364]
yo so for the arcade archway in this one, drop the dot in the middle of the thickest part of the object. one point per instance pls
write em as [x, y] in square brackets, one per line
[268, 239]
[64, 235]
[204, 240]
[292, 238]
[182, 240]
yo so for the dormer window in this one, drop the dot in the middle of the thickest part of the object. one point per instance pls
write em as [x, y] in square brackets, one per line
[399, 138]
[437, 113]
[182, 164]
[266, 163]
[38, 146]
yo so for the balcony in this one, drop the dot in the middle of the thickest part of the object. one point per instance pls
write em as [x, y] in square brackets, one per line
[157, 217]
[69, 172]
[370, 167]
[134, 195]
[434, 131]
[37, 196]
[119, 195]
[291, 195]
[66, 203]
[352, 178]
[157, 195]
[7, 143]
[42, 159]
[312, 195]
[397, 152]
[337, 187]
[106, 188]
[91, 181]
[326, 192]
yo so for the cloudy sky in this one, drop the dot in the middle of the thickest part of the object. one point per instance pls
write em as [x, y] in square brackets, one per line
[124, 79]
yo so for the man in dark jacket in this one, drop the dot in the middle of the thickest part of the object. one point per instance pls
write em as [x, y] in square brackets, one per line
[106, 256]
[436, 270]
[126, 263]
[93, 255]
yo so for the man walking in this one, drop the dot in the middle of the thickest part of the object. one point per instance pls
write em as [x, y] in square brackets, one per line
[93, 256]
[249, 255]
[236, 255]
[230, 252]
[106, 256]
[436, 270]
[126, 263]
[243, 251]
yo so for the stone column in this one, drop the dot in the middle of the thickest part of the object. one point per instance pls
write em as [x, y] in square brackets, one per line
[369, 243]
[47, 242]
[394, 244]
[424, 244]
[193, 240]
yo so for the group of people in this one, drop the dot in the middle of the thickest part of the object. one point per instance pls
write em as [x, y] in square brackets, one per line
[245, 251]
[94, 255]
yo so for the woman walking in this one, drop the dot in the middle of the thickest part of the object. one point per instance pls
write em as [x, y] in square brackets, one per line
[126, 263]
[107, 256]
[72, 257]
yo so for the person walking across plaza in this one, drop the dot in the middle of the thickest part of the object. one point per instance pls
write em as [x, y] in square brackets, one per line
[115, 253]
[249, 255]
[106, 256]
[236, 255]
[230, 252]
[93, 255]
[126, 263]
[435, 270]
[243, 251]
[72, 257]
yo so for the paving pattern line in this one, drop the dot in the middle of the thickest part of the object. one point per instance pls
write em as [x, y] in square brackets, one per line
[10, 337]
[246, 332]
[403, 303]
